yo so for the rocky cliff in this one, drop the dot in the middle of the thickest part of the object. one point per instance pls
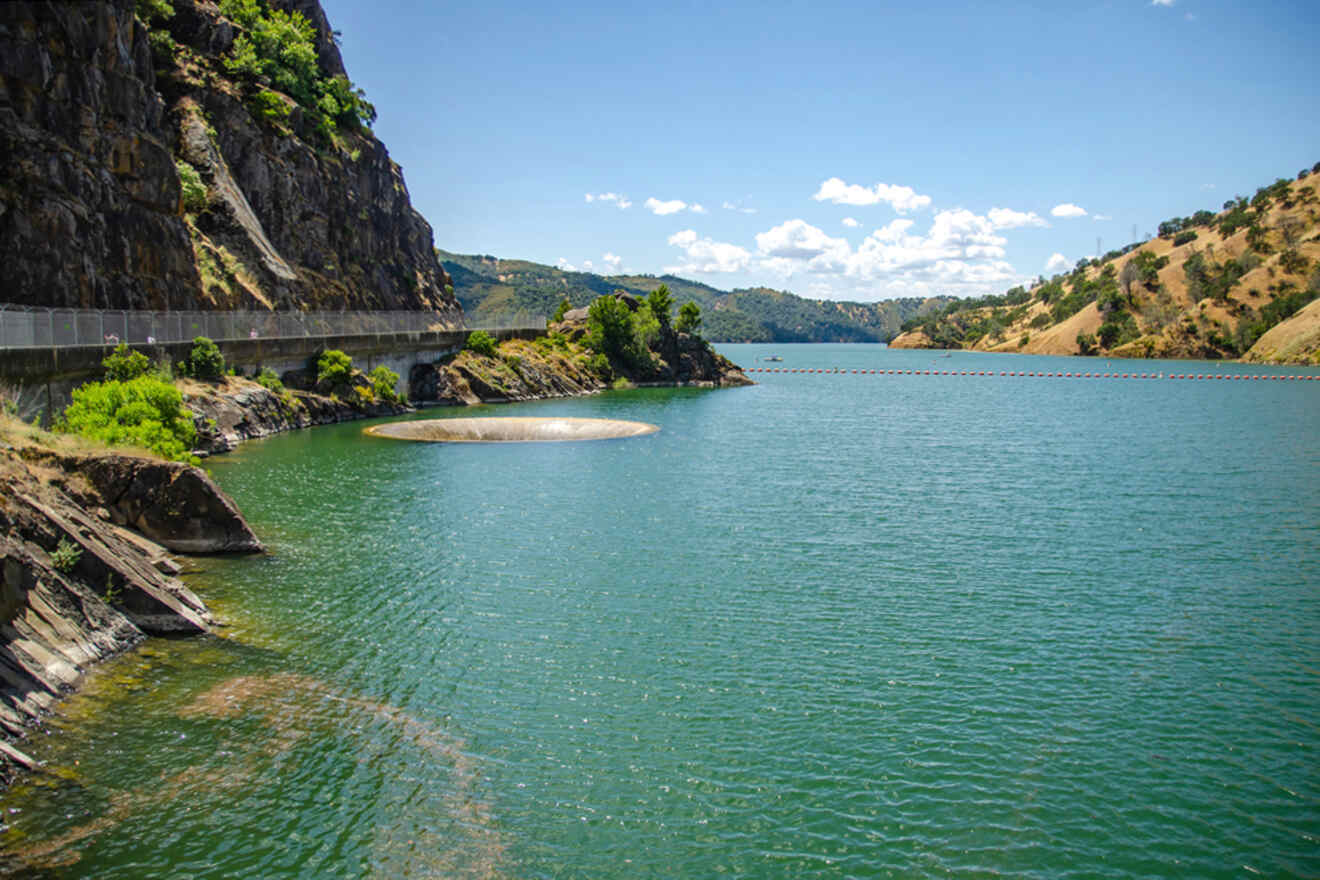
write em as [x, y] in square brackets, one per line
[144, 169]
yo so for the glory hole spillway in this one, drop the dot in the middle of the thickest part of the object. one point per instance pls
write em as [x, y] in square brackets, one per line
[512, 430]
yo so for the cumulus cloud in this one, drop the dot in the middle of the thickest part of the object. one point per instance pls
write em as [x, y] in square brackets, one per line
[733, 206]
[851, 222]
[612, 261]
[704, 255]
[960, 252]
[1056, 263]
[797, 241]
[1006, 218]
[565, 265]
[673, 206]
[609, 198]
[901, 198]
[1068, 210]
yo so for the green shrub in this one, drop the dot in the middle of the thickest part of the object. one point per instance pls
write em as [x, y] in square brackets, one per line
[153, 10]
[143, 412]
[65, 556]
[269, 106]
[1184, 237]
[1117, 329]
[481, 342]
[205, 361]
[383, 382]
[194, 191]
[561, 310]
[334, 367]
[123, 365]
[270, 380]
[600, 365]
[1085, 343]
[163, 48]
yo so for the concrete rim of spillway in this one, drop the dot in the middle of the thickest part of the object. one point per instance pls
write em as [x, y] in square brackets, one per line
[513, 429]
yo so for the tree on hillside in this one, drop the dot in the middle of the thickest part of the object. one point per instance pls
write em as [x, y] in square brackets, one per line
[660, 302]
[689, 318]
[1127, 277]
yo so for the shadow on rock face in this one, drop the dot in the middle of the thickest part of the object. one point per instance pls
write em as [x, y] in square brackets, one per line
[511, 430]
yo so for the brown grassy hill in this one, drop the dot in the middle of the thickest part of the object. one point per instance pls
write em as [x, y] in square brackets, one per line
[1232, 284]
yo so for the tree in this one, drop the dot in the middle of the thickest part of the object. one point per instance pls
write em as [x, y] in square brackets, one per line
[1126, 278]
[689, 318]
[660, 302]
[564, 306]
[609, 327]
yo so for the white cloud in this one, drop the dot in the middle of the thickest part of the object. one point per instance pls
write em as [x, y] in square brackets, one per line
[705, 256]
[1101, 217]
[851, 223]
[613, 261]
[1056, 263]
[1067, 209]
[1006, 218]
[731, 206]
[697, 209]
[800, 242]
[960, 253]
[673, 206]
[565, 265]
[901, 198]
[1162, 2]
[609, 197]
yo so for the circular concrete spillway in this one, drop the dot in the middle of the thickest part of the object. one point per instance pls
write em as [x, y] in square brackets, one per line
[511, 430]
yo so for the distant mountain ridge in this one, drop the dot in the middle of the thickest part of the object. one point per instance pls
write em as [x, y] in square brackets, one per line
[489, 287]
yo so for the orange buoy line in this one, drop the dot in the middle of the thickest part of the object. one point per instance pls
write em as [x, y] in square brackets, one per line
[1233, 377]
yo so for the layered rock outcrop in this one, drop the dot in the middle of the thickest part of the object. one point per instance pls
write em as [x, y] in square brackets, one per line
[77, 585]
[97, 110]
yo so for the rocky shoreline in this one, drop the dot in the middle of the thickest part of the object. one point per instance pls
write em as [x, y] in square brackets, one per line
[86, 541]
[86, 537]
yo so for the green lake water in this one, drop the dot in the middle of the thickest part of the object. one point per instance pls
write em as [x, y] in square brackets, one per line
[826, 626]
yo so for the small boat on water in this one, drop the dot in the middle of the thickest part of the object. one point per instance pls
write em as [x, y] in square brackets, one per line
[772, 357]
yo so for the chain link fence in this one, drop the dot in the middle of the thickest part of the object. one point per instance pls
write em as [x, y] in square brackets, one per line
[28, 326]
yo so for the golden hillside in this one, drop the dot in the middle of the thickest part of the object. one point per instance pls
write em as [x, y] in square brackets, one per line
[1239, 283]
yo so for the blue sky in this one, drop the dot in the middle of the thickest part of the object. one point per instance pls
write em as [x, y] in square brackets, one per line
[839, 150]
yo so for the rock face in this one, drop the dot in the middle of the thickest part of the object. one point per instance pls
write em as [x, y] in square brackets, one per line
[76, 587]
[537, 370]
[241, 410]
[173, 504]
[94, 117]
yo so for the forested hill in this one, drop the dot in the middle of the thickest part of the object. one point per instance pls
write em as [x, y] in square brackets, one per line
[1241, 282]
[490, 288]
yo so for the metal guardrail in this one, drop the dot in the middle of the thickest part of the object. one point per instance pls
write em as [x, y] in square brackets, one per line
[32, 327]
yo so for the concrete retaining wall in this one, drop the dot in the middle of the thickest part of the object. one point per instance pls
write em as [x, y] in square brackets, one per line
[42, 379]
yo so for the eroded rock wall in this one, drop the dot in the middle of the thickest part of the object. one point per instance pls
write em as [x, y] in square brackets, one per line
[91, 213]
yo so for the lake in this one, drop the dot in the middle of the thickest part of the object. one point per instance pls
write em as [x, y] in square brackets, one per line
[839, 625]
